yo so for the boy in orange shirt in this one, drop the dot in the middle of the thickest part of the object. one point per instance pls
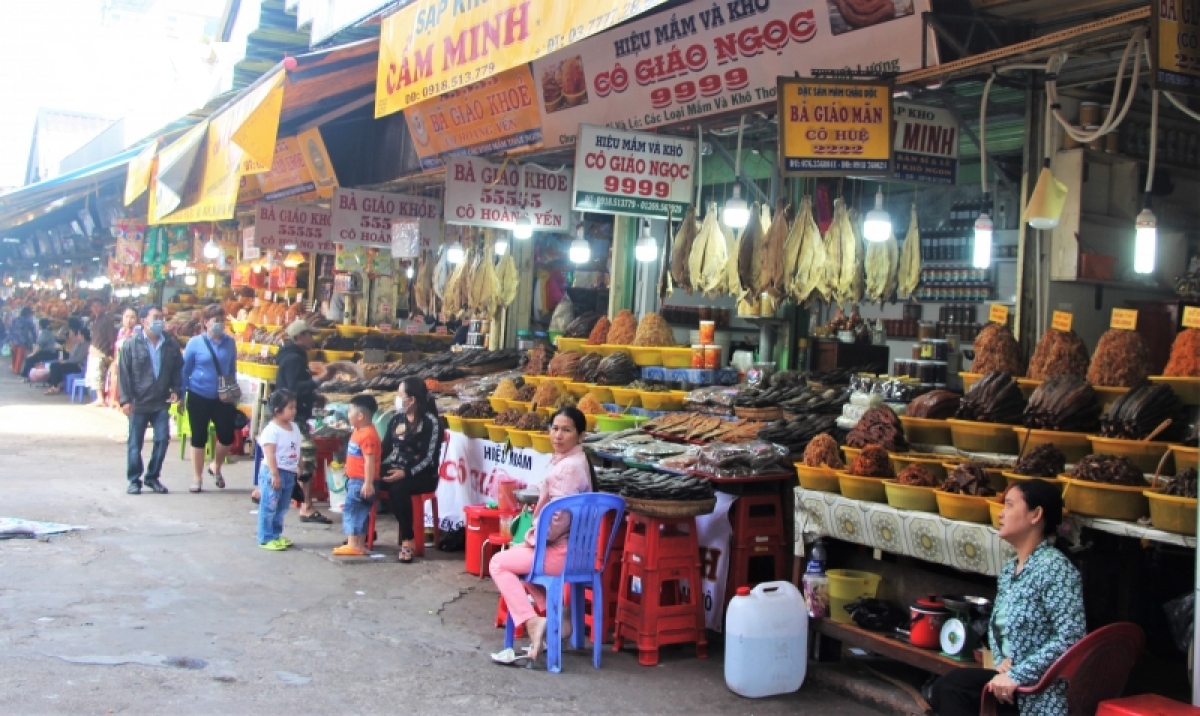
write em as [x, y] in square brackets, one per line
[362, 470]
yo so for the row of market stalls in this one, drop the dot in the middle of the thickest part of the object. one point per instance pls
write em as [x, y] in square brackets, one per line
[748, 223]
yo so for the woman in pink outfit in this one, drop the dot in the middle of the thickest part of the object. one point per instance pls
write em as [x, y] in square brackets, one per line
[570, 474]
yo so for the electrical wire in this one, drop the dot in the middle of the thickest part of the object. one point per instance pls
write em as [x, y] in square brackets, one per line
[1153, 141]
[1181, 106]
[987, 88]
[1054, 65]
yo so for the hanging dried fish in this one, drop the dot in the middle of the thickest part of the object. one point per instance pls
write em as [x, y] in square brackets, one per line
[881, 265]
[730, 285]
[681, 250]
[441, 276]
[484, 288]
[509, 280]
[665, 287]
[751, 245]
[850, 283]
[423, 284]
[809, 267]
[909, 273]
[771, 275]
[709, 256]
[764, 217]
[831, 269]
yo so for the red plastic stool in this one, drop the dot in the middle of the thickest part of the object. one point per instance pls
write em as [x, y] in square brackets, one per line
[750, 566]
[612, 583]
[492, 546]
[756, 519]
[1146, 705]
[418, 509]
[659, 598]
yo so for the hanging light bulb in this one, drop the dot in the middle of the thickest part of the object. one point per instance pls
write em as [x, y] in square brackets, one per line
[522, 227]
[210, 281]
[581, 251]
[145, 290]
[63, 295]
[293, 259]
[178, 263]
[500, 246]
[646, 248]
[736, 213]
[982, 256]
[190, 279]
[878, 225]
[211, 250]
[1145, 246]
[121, 293]
[409, 272]
[58, 284]
[454, 253]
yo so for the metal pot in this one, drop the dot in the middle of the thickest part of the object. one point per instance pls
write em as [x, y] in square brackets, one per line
[925, 623]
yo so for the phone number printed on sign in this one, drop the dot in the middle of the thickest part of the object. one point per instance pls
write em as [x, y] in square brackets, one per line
[281, 226]
[627, 173]
[365, 218]
[479, 193]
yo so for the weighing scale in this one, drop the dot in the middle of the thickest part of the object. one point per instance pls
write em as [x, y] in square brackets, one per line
[964, 631]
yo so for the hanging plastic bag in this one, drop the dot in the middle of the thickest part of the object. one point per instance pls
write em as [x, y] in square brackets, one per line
[564, 313]
[335, 479]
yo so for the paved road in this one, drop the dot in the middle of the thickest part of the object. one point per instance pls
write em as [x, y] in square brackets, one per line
[166, 605]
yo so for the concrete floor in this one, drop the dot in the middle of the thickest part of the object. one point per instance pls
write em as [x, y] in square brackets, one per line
[165, 604]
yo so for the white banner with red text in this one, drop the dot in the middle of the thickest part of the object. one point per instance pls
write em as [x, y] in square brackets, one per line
[365, 218]
[620, 172]
[280, 227]
[472, 468]
[706, 58]
[480, 193]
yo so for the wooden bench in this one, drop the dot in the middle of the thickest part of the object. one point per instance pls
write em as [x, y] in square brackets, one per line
[829, 633]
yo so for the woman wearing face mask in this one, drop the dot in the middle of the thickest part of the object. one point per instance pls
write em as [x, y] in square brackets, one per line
[208, 356]
[411, 448]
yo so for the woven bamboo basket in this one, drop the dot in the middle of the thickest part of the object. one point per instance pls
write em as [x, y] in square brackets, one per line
[670, 508]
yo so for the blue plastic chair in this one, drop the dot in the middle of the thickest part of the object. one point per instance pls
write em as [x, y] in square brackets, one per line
[70, 380]
[583, 568]
[79, 391]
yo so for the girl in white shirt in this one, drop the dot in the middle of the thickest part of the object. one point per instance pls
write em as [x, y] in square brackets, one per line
[280, 444]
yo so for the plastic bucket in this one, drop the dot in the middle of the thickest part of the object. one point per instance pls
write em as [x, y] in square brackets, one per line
[847, 585]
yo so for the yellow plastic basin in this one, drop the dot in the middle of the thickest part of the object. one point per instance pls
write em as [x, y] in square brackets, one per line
[603, 393]
[856, 487]
[676, 357]
[1186, 456]
[910, 497]
[499, 404]
[497, 433]
[926, 431]
[964, 508]
[1075, 446]
[647, 356]
[973, 436]
[1145, 456]
[541, 442]
[571, 344]
[673, 400]
[935, 464]
[1172, 514]
[520, 438]
[475, 427]
[626, 397]
[823, 479]
[1116, 502]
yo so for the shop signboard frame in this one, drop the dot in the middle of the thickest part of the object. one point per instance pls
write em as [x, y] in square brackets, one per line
[633, 173]
[925, 143]
[365, 218]
[699, 60]
[1175, 46]
[812, 138]
[308, 227]
[482, 193]
[496, 114]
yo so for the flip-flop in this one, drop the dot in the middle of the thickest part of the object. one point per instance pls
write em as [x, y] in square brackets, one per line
[508, 657]
[316, 517]
[195, 487]
[347, 551]
[406, 555]
[218, 477]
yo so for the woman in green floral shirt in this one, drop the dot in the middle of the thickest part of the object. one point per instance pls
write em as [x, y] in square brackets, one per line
[1037, 616]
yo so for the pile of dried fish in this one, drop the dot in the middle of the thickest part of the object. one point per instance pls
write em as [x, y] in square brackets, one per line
[1065, 402]
[1121, 360]
[1108, 470]
[996, 398]
[703, 428]
[934, 405]
[617, 369]
[796, 434]
[1045, 460]
[645, 485]
[1140, 411]
[878, 426]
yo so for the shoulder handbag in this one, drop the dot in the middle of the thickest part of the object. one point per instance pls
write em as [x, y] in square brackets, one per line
[227, 385]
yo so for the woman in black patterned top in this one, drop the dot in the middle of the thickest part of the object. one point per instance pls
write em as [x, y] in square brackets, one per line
[1037, 616]
[411, 455]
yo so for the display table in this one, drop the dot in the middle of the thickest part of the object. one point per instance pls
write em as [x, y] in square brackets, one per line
[830, 635]
[967, 546]
[1128, 529]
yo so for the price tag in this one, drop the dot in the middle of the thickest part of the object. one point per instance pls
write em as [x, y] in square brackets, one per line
[1062, 321]
[998, 313]
[412, 329]
[1191, 316]
[264, 352]
[385, 328]
[441, 331]
[1124, 319]
[268, 295]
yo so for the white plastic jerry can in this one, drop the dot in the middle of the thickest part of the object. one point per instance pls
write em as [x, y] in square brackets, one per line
[766, 640]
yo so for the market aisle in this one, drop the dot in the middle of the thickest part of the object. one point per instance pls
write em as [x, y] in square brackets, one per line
[202, 621]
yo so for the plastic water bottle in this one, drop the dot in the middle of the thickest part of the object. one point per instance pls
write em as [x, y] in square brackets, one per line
[815, 583]
[766, 640]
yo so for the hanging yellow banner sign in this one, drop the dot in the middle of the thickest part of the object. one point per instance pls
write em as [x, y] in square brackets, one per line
[434, 46]
[214, 196]
[300, 169]
[137, 174]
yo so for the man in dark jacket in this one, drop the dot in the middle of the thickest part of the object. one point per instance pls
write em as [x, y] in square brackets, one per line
[151, 367]
[294, 375]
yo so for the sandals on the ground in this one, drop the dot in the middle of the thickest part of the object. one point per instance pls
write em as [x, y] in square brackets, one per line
[220, 479]
[406, 555]
[196, 487]
[316, 517]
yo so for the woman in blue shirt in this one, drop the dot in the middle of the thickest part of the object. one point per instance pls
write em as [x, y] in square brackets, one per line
[1037, 616]
[204, 406]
